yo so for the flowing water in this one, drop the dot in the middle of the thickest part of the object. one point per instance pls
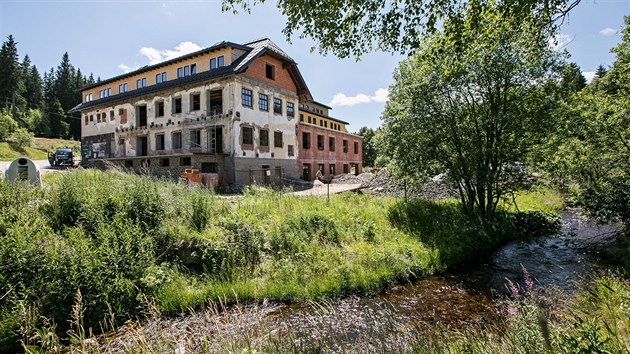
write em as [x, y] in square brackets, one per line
[458, 300]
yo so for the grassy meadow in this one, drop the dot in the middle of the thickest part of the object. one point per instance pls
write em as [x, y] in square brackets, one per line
[124, 245]
[37, 151]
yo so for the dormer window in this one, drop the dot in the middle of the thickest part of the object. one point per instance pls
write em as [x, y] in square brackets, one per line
[270, 72]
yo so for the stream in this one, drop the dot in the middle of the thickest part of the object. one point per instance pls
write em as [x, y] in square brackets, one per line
[457, 300]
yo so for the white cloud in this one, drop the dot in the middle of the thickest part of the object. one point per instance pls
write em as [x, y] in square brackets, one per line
[608, 31]
[126, 68]
[380, 95]
[341, 99]
[157, 56]
[589, 75]
[560, 40]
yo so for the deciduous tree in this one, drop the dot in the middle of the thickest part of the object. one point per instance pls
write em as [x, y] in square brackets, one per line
[472, 102]
[352, 28]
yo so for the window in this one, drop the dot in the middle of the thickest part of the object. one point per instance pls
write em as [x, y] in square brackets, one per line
[345, 146]
[301, 117]
[331, 143]
[165, 162]
[121, 141]
[186, 70]
[109, 92]
[309, 119]
[177, 105]
[290, 109]
[184, 161]
[193, 69]
[306, 140]
[209, 167]
[140, 83]
[277, 106]
[195, 101]
[290, 150]
[356, 147]
[180, 72]
[270, 72]
[346, 168]
[325, 124]
[176, 140]
[248, 136]
[159, 142]
[111, 114]
[246, 97]
[100, 94]
[263, 102]
[277, 139]
[159, 109]
[98, 118]
[121, 111]
[332, 169]
[195, 138]
[220, 61]
[213, 63]
[91, 117]
[321, 122]
[320, 142]
[160, 78]
[86, 119]
[314, 120]
[264, 137]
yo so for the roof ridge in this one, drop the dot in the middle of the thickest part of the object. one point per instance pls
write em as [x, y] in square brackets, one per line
[256, 40]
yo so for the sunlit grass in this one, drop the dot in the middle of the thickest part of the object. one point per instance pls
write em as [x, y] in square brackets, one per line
[119, 238]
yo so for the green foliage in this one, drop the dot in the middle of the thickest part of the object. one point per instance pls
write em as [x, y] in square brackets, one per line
[357, 27]
[7, 126]
[369, 157]
[22, 137]
[472, 101]
[592, 145]
[126, 242]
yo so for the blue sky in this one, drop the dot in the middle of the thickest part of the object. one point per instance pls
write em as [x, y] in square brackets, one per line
[108, 37]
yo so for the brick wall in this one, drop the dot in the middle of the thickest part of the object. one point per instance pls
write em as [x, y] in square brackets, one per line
[337, 158]
[282, 79]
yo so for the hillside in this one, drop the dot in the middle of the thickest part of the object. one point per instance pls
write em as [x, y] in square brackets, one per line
[37, 151]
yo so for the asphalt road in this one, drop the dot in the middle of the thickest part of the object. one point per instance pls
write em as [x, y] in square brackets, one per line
[44, 165]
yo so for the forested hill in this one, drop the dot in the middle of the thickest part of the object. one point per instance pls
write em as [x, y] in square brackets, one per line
[38, 104]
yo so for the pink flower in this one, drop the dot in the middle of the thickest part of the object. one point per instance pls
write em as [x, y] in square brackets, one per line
[529, 282]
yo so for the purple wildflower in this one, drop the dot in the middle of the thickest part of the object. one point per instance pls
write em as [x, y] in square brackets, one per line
[511, 311]
[513, 289]
[529, 282]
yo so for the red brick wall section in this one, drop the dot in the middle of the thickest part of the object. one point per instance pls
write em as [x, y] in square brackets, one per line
[338, 158]
[282, 78]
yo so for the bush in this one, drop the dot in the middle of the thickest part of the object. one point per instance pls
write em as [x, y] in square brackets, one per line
[22, 137]
[7, 126]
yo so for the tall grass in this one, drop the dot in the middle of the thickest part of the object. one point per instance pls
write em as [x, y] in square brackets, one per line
[122, 240]
[596, 320]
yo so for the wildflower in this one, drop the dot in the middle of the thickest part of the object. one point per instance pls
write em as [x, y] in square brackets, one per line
[513, 289]
[529, 282]
[511, 311]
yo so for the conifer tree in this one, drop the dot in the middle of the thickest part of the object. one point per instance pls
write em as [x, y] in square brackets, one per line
[10, 75]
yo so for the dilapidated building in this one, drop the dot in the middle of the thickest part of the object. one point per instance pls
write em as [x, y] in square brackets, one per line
[230, 109]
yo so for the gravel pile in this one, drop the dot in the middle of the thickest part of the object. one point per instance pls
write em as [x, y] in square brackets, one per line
[381, 184]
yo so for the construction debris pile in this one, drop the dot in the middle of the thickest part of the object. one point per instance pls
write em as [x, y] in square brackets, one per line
[379, 183]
